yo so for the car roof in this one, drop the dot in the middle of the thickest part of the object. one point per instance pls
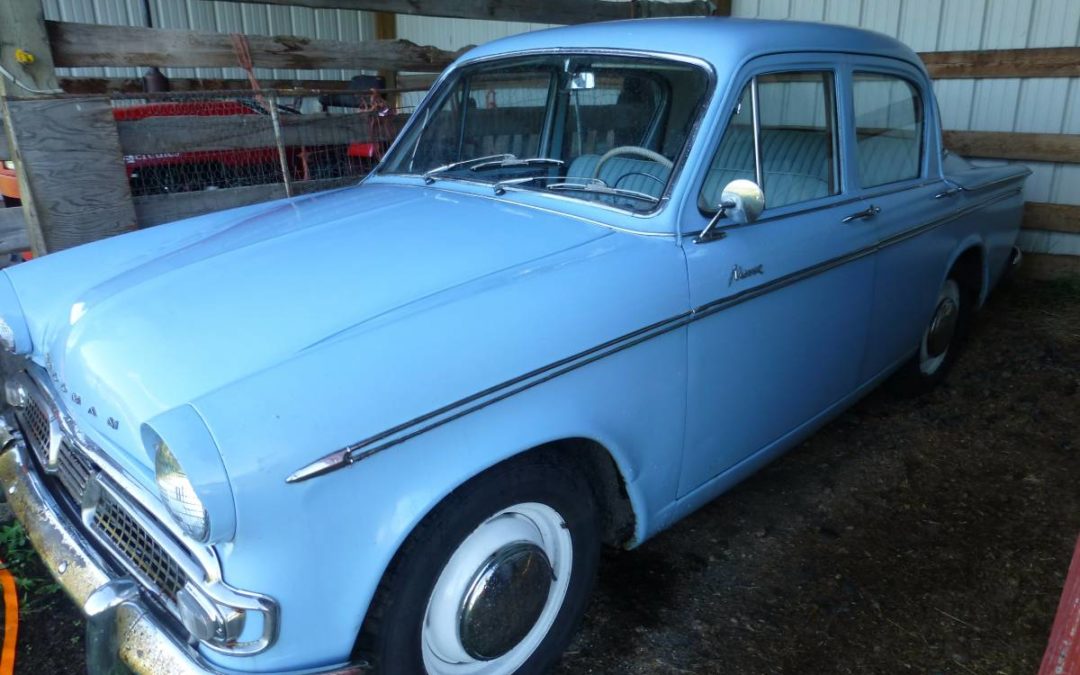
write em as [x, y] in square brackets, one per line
[723, 42]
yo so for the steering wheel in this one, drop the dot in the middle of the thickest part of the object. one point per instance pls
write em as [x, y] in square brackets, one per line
[632, 150]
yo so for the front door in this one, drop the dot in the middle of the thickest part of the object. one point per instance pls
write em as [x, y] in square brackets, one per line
[782, 304]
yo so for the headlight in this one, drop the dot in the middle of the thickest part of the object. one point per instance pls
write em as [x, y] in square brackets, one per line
[9, 165]
[14, 333]
[191, 475]
[179, 494]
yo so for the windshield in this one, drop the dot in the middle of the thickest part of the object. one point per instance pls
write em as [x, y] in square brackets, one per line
[601, 128]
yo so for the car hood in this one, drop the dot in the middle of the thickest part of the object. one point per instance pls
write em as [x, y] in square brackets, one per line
[225, 296]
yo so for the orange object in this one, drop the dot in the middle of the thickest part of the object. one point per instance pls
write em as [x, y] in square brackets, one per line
[9, 183]
[1063, 652]
[11, 622]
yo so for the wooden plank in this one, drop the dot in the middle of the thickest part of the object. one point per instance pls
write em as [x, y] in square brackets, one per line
[1013, 145]
[155, 135]
[158, 209]
[538, 11]
[22, 24]
[4, 154]
[995, 63]
[1047, 266]
[13, 237]
[1053, 217]
[71, 162]
[134, 85]
[89, 86]
[82, 44]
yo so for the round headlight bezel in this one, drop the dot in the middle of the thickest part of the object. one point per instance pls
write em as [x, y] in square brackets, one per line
[178, 493]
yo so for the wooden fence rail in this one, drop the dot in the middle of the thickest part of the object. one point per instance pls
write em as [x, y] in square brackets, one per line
[84, 44]
[538, 11]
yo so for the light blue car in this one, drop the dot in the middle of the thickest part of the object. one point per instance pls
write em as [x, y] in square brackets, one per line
[604, 274]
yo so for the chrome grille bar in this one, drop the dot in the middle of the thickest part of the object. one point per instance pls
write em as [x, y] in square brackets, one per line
[73, 470]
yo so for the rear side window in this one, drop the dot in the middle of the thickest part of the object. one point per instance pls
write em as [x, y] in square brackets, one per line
[888, 128]
[797, 123]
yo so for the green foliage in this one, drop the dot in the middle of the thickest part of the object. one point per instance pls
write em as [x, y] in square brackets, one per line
[37, 589]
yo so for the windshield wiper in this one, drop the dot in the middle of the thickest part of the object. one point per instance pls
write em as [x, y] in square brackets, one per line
[429, 175]
[511, 162]
[598, 186]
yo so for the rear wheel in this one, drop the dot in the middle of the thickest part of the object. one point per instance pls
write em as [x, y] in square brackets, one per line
[494, 581]
[940, 342]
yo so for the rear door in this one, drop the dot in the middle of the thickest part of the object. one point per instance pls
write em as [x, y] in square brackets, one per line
[782, 304]
[895, 176]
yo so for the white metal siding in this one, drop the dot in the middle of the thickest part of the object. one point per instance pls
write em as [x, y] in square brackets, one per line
[1049, 105]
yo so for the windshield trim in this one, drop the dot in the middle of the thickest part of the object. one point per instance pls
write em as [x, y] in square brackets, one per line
[449, 77]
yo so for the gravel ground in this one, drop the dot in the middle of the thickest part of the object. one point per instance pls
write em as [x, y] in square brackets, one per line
[928, 535]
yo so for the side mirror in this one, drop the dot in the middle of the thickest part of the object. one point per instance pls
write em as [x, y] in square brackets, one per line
[742, 200]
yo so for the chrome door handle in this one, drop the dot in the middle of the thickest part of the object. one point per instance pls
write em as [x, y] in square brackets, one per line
[949, 193]
[868, 212]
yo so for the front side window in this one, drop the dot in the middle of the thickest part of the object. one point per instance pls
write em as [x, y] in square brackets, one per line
[797, 133]
[888, 128]
[605, 128]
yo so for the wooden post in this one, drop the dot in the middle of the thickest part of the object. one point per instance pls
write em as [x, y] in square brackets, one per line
[386, 29]
[72, 177]
[25, 55]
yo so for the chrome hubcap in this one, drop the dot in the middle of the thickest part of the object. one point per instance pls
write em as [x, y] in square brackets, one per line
[499, 593]
[942, 329]
[505, 600]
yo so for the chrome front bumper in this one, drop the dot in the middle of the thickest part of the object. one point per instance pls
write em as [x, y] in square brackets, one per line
[121, 630]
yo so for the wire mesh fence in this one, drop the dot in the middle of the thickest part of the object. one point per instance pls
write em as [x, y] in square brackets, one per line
[190, 141]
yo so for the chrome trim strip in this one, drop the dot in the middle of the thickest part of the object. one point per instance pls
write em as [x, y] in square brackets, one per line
[405, 431]
[134, 636]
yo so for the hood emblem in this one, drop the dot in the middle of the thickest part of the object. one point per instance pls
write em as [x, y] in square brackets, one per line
[75, 398]
[113, 424]
[92, 411]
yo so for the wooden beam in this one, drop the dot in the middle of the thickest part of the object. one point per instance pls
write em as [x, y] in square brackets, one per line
[83, 44]
[72, 166]
[134, 85]
[1015, 145]
[1047, 266]
[994, 63]
[13, 237]
[539, 11]
[1053, 217]
[22, 28]
[154, 135]
[158, 209]
[386, 29]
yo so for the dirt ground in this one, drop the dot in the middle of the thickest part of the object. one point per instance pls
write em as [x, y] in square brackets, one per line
[926, 536]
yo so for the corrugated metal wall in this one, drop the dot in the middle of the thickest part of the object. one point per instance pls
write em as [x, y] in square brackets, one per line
[1050, 105]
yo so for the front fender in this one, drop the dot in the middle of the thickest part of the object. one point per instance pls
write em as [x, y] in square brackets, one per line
[319, 547]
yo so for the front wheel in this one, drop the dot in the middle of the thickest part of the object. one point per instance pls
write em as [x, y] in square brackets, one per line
[494, 581]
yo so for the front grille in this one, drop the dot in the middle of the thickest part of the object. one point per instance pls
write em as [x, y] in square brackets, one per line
[136, 545]
[73, 470]
[37, 429]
